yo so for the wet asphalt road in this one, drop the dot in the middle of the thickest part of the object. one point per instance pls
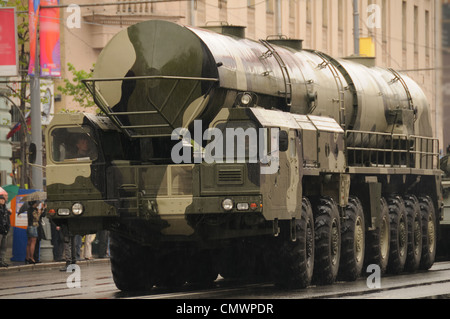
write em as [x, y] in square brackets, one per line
[93, 280]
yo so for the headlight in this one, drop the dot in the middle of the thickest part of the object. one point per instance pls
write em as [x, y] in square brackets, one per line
[227, 204]
[77, 209]
[246, 99]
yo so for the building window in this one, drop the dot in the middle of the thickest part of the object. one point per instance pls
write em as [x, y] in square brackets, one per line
[325, 13]
[404, 30]
[308, 11]
[384, 21]
[292, 8]
[269, 6]
[251, 19]
[427, 33]
[416, 29]
[223, 10]
[222, 4]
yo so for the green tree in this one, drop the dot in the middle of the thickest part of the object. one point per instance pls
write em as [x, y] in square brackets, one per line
[76, 89]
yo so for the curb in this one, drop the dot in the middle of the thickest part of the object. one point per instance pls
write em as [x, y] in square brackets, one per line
[49, 265]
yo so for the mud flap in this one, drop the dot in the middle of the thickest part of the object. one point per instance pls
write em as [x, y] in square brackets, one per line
[374, 192]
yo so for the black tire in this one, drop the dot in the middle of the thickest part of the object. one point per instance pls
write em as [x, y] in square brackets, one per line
[327, 232]
[170, 268]
[429, 235]
[414, 233]
[130, 265]
[241, 260]
[352, 241]
[378, 240]
[293, 262]
[399, 234]
[231, 265]
[202, 270]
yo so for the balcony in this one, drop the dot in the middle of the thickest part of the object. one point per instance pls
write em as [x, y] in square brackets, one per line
[107, 20]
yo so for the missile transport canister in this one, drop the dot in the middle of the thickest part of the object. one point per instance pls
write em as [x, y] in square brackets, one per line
[216, 154]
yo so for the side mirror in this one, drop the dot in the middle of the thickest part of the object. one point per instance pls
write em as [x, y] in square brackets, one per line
[32, 153]
[283, 141]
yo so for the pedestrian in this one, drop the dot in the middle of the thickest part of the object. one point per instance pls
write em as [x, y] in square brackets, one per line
[5, 224]
[103, 243]
[78, 244]
[70, 250]
[34, 212]
[88, 239]
[41, 232]
[57, 242]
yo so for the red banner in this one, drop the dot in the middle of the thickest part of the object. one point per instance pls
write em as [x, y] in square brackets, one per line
[8, 42]
[33, 11]
[49, 39]
[47, 21]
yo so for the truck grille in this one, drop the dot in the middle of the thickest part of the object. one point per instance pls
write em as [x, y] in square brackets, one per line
[230, 176]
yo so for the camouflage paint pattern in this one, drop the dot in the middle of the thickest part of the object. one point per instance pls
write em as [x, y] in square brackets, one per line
[328, 97]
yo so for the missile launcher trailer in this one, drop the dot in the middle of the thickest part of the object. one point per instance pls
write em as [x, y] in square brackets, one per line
[221, 155]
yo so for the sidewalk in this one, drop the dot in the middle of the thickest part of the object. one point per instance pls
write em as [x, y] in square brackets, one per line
[21, 266]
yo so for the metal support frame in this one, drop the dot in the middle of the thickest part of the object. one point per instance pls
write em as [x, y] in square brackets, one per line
[284, 71]
[391, 150]
[131, 130]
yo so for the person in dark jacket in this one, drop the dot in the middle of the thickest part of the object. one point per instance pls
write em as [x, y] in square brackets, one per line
[70, 248]
[5, 224]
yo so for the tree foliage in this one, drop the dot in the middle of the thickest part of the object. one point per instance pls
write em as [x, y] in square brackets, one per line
[76, 89]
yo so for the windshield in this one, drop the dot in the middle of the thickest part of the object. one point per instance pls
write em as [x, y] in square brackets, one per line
[73, 144]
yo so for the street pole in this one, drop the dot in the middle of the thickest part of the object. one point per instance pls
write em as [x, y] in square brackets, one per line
[36, 129]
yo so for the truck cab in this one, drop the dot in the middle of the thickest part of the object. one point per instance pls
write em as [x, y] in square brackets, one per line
[80, 148]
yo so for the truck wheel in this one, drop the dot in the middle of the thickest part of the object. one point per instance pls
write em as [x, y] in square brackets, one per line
[238, 261]
[327, 232]
[414, 233]
[428, 232]
[377, 243]
[171, 271]
[201, 268]
[399, 234]
[293, 261]
[129, 264]
[353, 241]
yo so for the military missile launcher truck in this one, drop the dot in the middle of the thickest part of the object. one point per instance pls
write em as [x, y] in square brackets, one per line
[216, 154]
